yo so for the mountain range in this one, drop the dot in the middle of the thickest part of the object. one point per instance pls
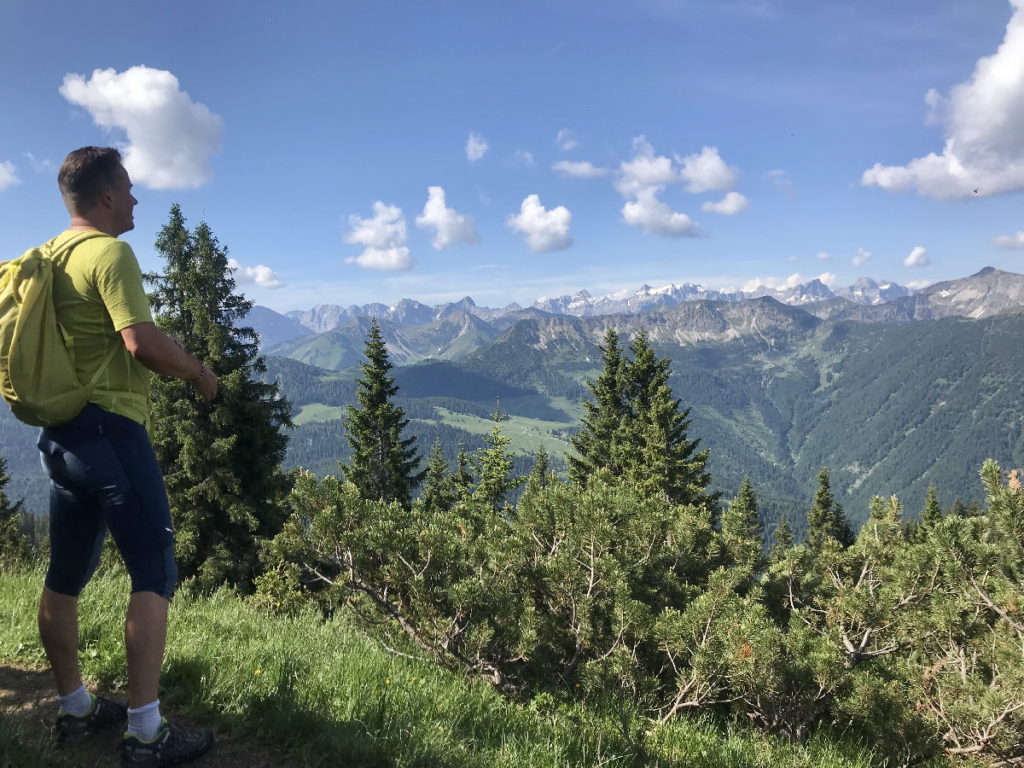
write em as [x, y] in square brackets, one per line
[326, 317]
[331, 337]
[893, 390]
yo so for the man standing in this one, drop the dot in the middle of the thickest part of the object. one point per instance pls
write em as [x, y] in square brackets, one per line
[102, 469]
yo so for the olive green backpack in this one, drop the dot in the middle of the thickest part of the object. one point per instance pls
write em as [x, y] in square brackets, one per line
[37, 362]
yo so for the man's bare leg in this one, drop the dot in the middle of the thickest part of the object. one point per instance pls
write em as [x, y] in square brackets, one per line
[145, 633]
[58, 628]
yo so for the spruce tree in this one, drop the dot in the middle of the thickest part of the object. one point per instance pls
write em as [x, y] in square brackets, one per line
[652, 449]
[741, 530]
[383, 463]
[494, 467]
[462, 478]
[782, 540]
[221, 461]
[439, 492]
[932, 513]
[826, 519]
[13, 543]
[603, 417]
[540, 476]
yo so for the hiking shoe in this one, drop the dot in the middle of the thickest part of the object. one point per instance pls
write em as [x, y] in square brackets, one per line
[172, 745]
[104, 713]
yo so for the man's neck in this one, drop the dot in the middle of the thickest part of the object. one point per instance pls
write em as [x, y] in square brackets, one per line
[87, 224]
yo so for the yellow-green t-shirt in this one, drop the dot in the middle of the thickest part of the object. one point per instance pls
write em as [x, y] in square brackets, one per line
[97, 291]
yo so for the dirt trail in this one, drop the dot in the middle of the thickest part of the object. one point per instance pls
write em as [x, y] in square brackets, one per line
[26, 697]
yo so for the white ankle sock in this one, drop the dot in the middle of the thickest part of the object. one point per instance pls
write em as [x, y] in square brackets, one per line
[77, 703]
[144, 722]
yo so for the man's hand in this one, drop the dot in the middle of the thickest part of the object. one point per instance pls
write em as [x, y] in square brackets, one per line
[207, 385]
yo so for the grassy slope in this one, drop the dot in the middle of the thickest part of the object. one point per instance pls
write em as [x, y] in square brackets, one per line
[331, 696]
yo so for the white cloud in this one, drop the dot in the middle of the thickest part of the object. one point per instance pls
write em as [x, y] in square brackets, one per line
[656, 218]
[778, 283]
[545, 230]
[792, 258]
[779, 179]
[476, 147]
[1014, 242]
[861, 257]
[260, 274]
[823, 256]
[384, 237]
[640, 180]
[523, 156]
[170, 137]
[8, 175]
[645, 170]
[566, 141]
[984, 119]
[579, 170]
[917, 258]
[917, 285]
[39, 165]
[450, 228]
[729, 205]
[706, 171]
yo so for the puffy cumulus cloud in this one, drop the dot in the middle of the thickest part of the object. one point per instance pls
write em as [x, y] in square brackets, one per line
[8, 175]
[523, 157]
[170, 137]
[258, 275]
[706, 171]
[861, 257]
[778, 283]
[582, 169]
[450, 228]
[984, 126]
[1014, 242]
[476, 147]
[917, 258]
[383, 236]
[653, 216]
[566, 141]
[640, 180]
[823, 256]
[645, 170]
[729, 205]
[544, 230]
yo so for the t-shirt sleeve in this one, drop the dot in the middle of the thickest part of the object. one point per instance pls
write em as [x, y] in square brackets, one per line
[119, 283]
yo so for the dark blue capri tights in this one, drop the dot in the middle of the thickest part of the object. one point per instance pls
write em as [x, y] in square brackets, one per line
[104, 476]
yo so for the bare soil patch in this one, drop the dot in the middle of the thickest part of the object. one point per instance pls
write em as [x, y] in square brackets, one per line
[27, 699]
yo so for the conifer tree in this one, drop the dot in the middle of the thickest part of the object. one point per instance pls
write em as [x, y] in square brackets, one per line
[221, 461]
[541, 475]
[652, 449]
[932, 513]
[782, 540]
[826, 518]
[604, 414]
[494, 467]
[741, 530]
[439, 493]
[383, 463]
[462, 478]
[13, 544]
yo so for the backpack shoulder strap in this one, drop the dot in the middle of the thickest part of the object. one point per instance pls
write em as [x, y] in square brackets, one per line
[69, 245]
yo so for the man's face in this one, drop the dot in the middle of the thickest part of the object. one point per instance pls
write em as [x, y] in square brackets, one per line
[122, 201]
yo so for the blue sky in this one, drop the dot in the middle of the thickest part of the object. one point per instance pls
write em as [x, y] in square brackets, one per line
[562, 145]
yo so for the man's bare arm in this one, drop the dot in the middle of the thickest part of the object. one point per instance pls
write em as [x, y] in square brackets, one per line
[162, 354]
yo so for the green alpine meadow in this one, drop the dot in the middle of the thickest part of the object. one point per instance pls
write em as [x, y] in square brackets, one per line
[719, 533]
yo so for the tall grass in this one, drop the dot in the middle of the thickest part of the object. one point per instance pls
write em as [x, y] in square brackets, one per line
[329, 695]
